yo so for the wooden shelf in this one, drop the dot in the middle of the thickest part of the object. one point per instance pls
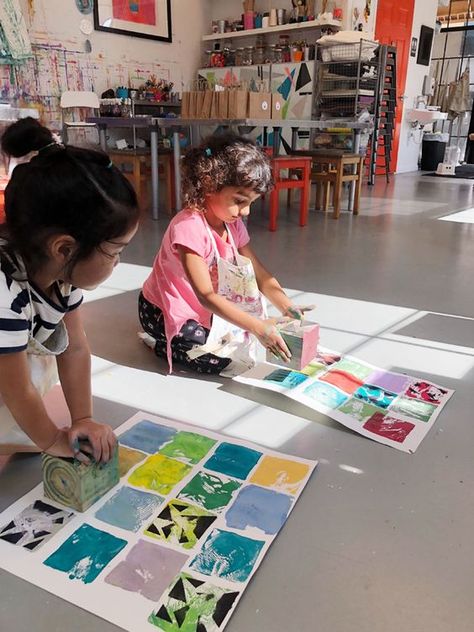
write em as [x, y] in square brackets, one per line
[283, 28]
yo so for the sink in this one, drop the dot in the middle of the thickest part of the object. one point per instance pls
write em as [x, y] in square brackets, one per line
[426, 116]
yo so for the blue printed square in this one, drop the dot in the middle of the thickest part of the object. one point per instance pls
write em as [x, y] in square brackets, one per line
[129, 508]
[147, 436]
[326, 394]
[264, 509]
[85, 553]
[228, 555]
[285, 378]
[375, 395]
[233, 460]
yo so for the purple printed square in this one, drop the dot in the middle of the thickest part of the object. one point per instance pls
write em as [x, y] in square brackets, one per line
[394, 382]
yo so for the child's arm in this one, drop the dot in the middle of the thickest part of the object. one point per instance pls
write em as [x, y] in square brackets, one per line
[26, 405]
[198, 275]
[74, 367]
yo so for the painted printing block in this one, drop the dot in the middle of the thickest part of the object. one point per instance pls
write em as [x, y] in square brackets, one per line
[75, 484]
[302, 341]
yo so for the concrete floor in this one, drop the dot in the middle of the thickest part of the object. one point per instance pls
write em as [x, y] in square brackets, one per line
[380, 541]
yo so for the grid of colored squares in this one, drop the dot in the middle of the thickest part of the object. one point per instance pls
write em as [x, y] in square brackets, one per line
[251, 491]
[387, 404]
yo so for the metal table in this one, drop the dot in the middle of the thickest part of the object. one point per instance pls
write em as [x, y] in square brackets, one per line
[244, 126]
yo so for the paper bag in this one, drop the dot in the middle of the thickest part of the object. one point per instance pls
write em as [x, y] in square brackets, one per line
[277, 106]
[238, 104]
[302, 341]
[260, 105]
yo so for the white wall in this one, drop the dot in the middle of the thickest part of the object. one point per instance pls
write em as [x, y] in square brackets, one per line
[61, 61]
[408, 153]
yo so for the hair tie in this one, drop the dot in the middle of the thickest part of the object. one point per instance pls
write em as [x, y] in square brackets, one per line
[208, 152]
[51, 145]
[110, 165]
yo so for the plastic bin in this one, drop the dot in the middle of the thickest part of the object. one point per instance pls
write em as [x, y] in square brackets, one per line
[432, 151]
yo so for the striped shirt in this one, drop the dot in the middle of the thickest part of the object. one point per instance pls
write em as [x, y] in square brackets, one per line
[25, 308]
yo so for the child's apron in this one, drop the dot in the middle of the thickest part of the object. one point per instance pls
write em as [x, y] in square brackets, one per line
[44, 375]
[238, 284]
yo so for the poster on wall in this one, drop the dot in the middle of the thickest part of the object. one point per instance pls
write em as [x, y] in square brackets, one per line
[150, 19]
[363, 16]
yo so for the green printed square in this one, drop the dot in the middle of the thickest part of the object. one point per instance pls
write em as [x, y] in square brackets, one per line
[209, 491]
[188, 446]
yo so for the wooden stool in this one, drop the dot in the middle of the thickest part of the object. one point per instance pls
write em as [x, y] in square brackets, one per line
[299, 166]
[135, 164]
[329, 172]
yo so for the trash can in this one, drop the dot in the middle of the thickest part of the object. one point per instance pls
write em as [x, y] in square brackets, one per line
[432, 151]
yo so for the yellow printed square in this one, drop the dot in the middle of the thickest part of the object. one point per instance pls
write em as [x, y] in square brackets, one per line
[159, 473]
[282, 474]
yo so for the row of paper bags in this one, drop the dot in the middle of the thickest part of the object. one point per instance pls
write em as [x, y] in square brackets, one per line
[231, 104]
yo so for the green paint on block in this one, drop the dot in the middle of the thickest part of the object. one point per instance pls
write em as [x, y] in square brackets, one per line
[188, 446]
[209, 491]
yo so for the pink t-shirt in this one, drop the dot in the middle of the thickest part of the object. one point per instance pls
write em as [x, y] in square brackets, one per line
[168, 287]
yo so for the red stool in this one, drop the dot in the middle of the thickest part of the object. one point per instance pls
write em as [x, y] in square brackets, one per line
[3, 185]
[295, 165]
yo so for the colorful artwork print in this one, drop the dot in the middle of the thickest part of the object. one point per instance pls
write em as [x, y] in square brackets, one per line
[325, 394]
[147, 436]
[375, 395]
[326, 358]
[188, 446]
[180, 523]
[177, 560]
[389, 427]
[228, 555]
[359, 409]
[85, 554]
[128, 458]
[259, 508]
[159, 474]
[138, 11]
[426, 392]
[345, 381]
[281, 474]
[233, 460]
[147, 570]
[209, 491]
[193, 605]
[413, 408]
[393, 382]
[288, 379]
[35, 525]
[129, 508]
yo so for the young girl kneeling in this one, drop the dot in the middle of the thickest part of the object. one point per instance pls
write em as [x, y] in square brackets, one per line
[69, 214]
[206, 273]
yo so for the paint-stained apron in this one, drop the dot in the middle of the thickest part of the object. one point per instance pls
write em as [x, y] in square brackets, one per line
[44, 375]
[238, 284]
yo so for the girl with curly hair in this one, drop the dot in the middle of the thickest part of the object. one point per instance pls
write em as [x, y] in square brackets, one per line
[206, 281]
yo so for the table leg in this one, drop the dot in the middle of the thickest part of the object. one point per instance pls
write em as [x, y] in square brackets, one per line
[103, 137]
[354, 170]
[177, 168]
[154, 173]
[276, 140]
[294, 138]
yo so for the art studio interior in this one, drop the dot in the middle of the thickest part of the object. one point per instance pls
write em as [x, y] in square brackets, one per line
[236, 324]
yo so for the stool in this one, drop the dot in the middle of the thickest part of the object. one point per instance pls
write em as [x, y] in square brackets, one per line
[299, 166]
[3, 186]
[139, 172]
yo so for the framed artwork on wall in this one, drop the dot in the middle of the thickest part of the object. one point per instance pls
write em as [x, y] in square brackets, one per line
[150, 19]
[426, 42]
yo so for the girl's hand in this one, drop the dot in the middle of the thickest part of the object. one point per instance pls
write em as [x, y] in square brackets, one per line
[268, 336]
[297, 312]
[94, 439]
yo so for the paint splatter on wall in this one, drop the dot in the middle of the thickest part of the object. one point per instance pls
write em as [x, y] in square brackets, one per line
[55, 68]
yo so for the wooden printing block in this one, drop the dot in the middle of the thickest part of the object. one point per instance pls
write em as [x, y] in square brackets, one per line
[302, 341]
[75, 484]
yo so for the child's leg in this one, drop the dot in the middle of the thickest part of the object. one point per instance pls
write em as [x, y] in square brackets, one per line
[191, 334]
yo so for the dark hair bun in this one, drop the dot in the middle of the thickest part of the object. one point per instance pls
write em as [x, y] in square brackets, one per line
[24, 136]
